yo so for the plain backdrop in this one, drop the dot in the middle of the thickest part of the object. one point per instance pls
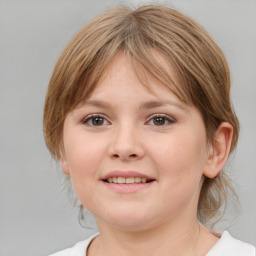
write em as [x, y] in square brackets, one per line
[36, 215]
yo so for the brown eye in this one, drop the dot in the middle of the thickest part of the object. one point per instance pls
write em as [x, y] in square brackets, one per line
[97, 121]
[159, 121]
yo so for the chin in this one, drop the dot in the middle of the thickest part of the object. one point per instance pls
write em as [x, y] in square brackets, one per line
[128, 220]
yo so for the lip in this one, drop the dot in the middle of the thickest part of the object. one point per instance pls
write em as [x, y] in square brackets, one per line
[127, 188]
[126, 174]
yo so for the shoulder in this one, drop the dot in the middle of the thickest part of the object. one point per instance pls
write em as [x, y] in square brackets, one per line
[78, 249]
[229, 246]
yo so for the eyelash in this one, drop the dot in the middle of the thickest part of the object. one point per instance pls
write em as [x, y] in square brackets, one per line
[88, 120]
[166, 118]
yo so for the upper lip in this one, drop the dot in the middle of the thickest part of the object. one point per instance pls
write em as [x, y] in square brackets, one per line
[126, 174]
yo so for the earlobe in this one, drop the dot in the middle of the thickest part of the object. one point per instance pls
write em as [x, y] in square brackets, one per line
[64, 164]
[220, 150]
[63, 159]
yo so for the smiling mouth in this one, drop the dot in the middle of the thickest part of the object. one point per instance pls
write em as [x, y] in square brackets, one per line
[129, 180]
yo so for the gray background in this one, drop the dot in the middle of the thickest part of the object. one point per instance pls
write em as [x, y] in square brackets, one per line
[36, 216]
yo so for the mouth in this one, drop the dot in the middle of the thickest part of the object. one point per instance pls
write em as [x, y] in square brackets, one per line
[128, 180]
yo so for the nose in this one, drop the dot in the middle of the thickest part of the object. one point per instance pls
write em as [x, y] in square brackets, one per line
[126, 143]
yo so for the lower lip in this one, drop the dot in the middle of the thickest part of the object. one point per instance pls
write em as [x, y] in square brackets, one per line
[127, 188]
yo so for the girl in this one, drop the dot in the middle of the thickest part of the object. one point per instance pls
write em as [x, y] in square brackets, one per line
[138, 112]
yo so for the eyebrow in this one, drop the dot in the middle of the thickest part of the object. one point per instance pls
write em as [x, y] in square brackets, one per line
[155, 104]
[97, 103]
[146, 105]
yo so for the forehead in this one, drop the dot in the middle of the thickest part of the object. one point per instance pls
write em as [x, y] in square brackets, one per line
[125, 71]
[121, 82]
[160, 74]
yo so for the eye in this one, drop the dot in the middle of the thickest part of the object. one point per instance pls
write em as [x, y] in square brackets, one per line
[95, 120]
[160, 120]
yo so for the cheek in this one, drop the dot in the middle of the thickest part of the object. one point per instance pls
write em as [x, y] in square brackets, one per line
[181, 158]
[83, 159]
[82, 154]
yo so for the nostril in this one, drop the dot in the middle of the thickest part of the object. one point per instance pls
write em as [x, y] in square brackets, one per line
[131, 156]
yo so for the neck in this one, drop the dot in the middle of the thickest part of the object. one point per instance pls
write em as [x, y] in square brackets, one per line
[165, 240]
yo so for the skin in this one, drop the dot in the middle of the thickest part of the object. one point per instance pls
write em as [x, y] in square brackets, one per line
[165, 141]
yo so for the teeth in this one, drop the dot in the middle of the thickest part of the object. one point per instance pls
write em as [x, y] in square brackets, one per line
[130, 180]
[137, 180]
[120, 180]
[143, 180]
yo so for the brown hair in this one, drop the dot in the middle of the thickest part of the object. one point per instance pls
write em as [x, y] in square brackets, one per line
[202, 71]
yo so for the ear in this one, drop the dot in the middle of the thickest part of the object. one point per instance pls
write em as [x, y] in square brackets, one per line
[219, 151]
[64, 163]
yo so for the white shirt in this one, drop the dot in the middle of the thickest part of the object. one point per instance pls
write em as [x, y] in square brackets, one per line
[226, 246]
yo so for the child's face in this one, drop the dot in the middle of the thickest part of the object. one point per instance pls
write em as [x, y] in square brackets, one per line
[126, 131]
